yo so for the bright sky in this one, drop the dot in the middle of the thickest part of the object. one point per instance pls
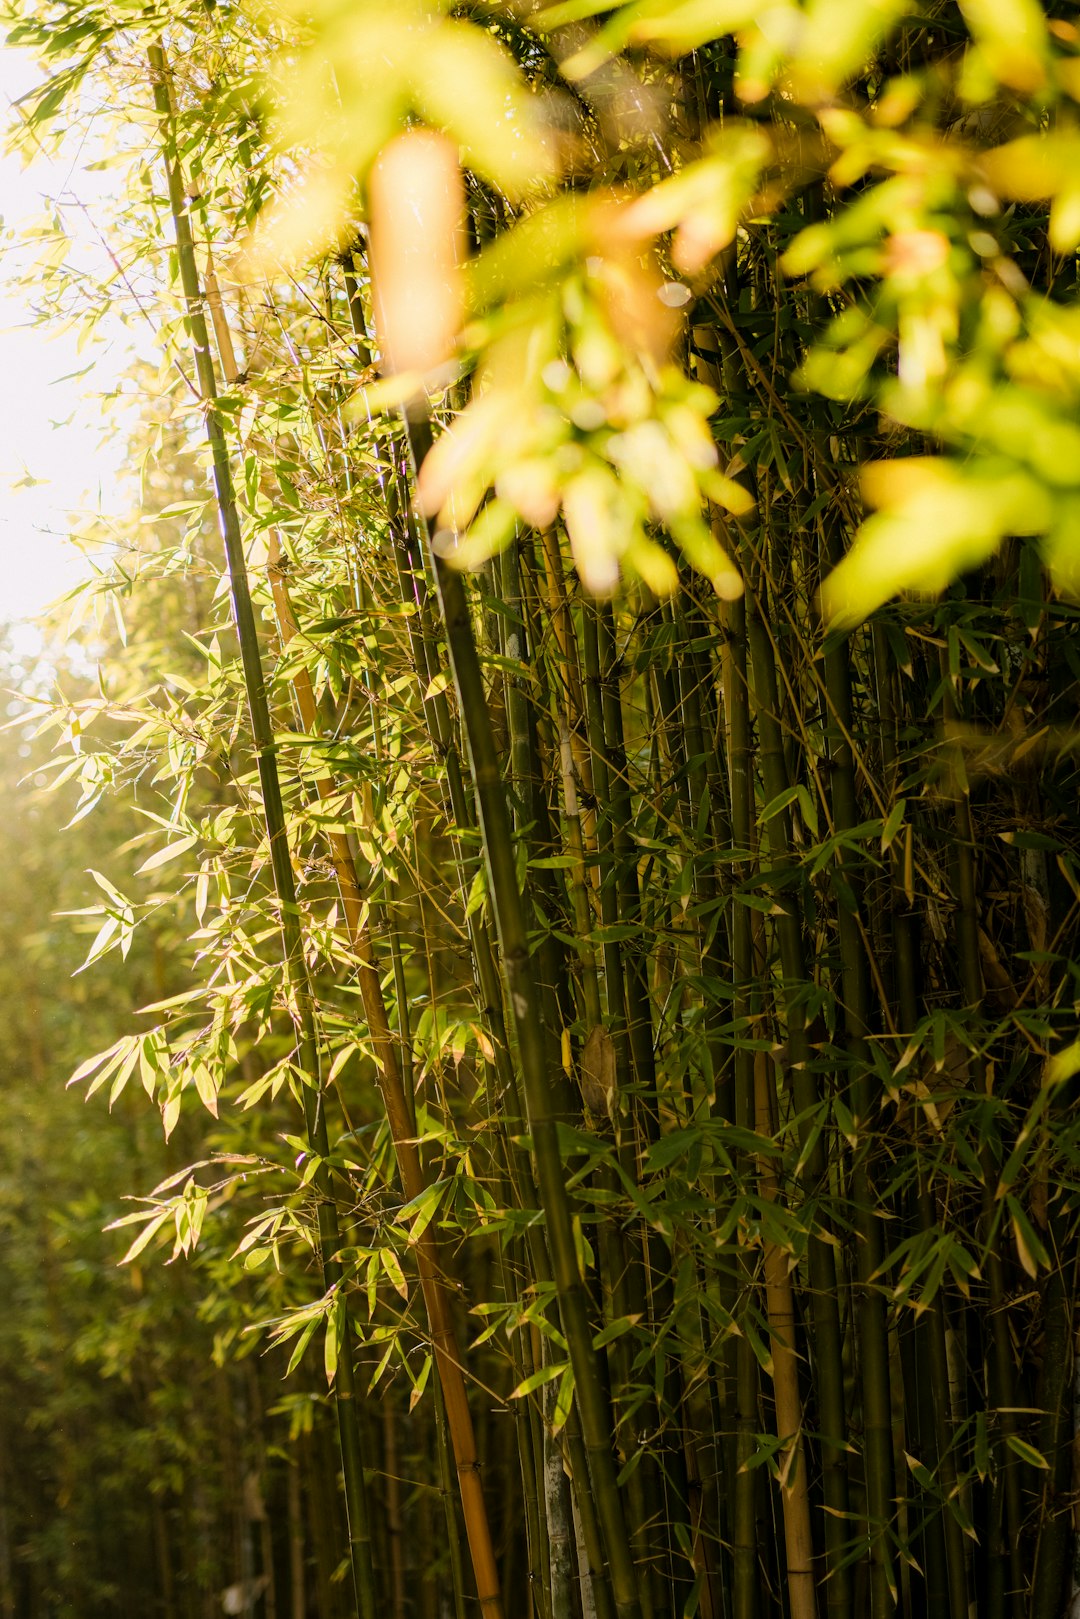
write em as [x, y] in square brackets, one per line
[50, 429]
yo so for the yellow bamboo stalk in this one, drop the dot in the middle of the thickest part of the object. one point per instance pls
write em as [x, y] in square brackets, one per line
[448, 1360]
[780, 1305]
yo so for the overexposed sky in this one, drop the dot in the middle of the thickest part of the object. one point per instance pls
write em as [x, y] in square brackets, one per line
[52, 458]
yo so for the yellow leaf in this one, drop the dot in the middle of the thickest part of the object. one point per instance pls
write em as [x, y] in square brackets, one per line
[938, 518]
[1035, 166]
[463, 81]
[705, 199]
[836, 38]
[1013, 39]
[313, 218]
[595, 522]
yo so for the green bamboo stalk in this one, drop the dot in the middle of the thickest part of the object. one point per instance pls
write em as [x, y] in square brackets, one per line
[745, 1582]
[398, 1099]
[692, 729]
[621, 1265]
[780, 1304]
[539, 1092]
[446, 1490]
[670, 1461]
[632, 1056]
[530, 820]
[1055, 1427]
[557, 1510]
[526, 781]
[944, 1538]
[824, 1304]
[620, 1260]
[412, 578]
[408, 559]
[1007, 1577]
[592, 1572]
[531, 814]
[855, 999]
[531, 1463]
[273, 810]
[400, 1118]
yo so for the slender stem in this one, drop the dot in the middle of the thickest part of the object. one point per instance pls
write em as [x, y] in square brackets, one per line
[855, 998]
[780, 1304]
[1006, 1506]
[414, 1181]
[745, 1570]
[273, 810]
[540, 1093]
[446, 1490]
[828, 1340]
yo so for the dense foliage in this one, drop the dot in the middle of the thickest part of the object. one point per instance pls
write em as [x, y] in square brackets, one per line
[604, 959]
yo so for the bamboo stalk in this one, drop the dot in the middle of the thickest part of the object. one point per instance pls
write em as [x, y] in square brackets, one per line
[557, 1512]
[744, 1549]
[446, 1490]
[828, 1341]
[399, 1107]
[1055, 1430]
[397, 1104]
[524, 1001]
[936, 1425]
[780, 1305]
[628, 1005]
[1006, 1507]
[277, 837]
[442, 732]
[448, 1357]
[394, 1525]
[855, 999]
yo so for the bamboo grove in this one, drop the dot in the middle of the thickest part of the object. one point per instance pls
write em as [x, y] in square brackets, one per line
[626, 951]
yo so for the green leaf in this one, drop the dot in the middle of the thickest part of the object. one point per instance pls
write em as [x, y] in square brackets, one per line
[391, 1264]
[155, 1220]
[545, 1374]
[172, 851]
[1027, 1453]
[564, 1399]
[938, 518]
[893, 822]
[332, 1339]
[301, 1344]
[1029, 1246]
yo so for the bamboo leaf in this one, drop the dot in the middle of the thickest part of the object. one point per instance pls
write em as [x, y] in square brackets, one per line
[155, 1220]
[1029, 1246]
[535, 1380]
[391, 1264]
[332, 1340]
[1027, 1453]
[172, 851]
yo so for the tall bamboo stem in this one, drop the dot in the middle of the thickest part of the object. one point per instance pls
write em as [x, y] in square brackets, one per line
[828, 1341]
[780, 1305]
[414, 1181]
[936, 1424]
[1006, 1512]
[539, 1091]
[855, 999]
[277, 837]
[736, 696]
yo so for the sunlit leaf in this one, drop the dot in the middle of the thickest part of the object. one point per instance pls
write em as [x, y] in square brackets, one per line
[937, 518]
[1013, 39]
